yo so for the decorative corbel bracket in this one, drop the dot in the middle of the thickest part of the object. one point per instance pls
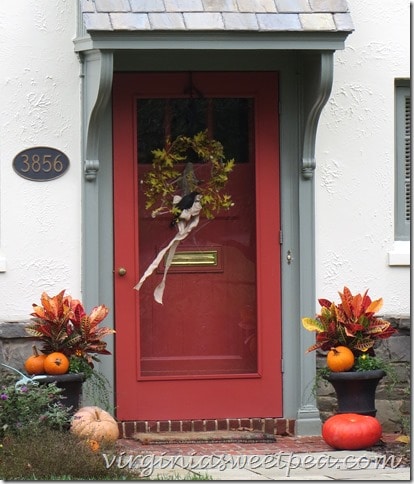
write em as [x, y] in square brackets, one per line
[98, 72]
[318, 79]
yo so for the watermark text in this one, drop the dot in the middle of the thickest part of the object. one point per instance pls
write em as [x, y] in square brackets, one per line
[147, 464]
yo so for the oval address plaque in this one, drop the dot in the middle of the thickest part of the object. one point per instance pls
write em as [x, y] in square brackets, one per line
[41, 163]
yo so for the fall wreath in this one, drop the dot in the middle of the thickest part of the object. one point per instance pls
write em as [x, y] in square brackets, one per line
[164, 181]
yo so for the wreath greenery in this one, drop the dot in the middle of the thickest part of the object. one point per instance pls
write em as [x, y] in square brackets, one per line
[165, 180]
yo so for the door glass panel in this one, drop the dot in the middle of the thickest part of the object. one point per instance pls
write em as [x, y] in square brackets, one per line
[207, 324]
[227, 119]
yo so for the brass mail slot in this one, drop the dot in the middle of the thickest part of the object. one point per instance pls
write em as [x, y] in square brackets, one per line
[195, 258]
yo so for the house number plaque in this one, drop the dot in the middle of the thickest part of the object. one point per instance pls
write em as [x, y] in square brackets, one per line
[40, 163]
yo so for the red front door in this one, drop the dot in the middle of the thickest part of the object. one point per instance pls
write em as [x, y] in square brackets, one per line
[213, 348]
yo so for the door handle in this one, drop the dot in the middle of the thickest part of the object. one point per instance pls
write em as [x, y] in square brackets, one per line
[122, 271]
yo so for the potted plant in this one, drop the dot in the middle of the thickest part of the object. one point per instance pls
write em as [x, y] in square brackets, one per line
[349, 332]
[71, 339]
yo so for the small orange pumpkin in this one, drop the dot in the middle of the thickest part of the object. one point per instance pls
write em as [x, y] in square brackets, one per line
[95, 424]
[340, 358]
[35, 364]
[56, 363]
[93, 445]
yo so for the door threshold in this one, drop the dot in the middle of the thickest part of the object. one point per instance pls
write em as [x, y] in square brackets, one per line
[265, 426]
[211, 436]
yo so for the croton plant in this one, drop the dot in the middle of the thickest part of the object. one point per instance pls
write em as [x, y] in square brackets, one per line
[62, 325]
[351, 323]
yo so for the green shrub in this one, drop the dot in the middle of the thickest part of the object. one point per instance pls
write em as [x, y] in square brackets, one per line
[30, 407]
[54, 455]
[35, 443]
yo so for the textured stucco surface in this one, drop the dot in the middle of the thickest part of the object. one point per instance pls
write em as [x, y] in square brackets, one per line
[39, 106]
[355, 159]
[40, 230]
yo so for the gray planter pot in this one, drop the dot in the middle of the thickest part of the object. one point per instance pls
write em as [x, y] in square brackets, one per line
[355, 390]
[71, 383]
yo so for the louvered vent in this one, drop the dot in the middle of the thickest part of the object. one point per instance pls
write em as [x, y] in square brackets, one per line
[407, 154]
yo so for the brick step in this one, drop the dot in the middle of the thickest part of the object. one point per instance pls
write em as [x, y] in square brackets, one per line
[272, 426]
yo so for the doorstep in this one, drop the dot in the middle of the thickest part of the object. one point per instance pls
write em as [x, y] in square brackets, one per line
[270, 426]
[213, 436]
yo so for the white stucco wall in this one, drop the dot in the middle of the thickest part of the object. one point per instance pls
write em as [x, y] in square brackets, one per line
[40, 235]
[39, 106]
[355, 159]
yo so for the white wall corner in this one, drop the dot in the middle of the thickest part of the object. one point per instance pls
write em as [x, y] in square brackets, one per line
[3, 265]
[399, 255]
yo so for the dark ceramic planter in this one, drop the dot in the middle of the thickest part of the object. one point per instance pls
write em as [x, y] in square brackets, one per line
[71, 383]
[355, 390]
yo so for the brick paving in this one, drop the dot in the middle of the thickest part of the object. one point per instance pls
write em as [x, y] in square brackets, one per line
[288, 458]
[284, 444]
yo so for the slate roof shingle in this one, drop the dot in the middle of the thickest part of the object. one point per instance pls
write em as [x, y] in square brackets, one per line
[214, 15]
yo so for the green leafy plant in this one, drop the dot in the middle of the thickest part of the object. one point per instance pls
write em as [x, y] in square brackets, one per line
[161, 183]
[62, 324]
[96, 386]
[31, 407]
[50, 455]
[368, 363]
[351, 323]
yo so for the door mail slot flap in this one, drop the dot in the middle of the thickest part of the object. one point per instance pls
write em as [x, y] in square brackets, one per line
[195, 258]
[205, 259]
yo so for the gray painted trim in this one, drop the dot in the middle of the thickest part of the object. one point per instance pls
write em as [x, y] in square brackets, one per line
[316, 88]
[103, 71]
[318, 80]
[308, 422]
[97, 227]
[302, 100]
[298, 293]
[290, 155]
[212, 41]
[201, 60]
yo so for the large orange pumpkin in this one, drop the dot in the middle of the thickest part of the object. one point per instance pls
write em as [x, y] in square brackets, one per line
[340, 358]
[94, 423]
[35, 364]
[56, 363]
[351, 431]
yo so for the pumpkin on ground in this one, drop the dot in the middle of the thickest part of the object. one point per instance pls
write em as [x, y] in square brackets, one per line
[56, 363]
[93, 445]
[94, 423]
[351, 431]
[340, 358]
[35, 364]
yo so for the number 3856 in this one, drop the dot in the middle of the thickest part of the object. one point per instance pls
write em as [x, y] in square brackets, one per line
[45, 163]
[41, 163]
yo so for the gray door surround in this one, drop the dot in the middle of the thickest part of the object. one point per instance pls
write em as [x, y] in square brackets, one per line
[305, 81]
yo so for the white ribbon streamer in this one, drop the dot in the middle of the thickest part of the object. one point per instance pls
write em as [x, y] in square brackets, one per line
[187, 221]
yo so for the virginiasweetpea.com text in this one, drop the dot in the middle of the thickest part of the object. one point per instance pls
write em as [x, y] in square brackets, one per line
[147, 464]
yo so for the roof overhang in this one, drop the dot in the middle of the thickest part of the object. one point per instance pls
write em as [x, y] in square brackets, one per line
[108, 27]
[213, 24]
[207, 40]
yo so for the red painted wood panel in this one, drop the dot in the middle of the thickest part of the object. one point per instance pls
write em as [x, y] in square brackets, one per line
[184, 359]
